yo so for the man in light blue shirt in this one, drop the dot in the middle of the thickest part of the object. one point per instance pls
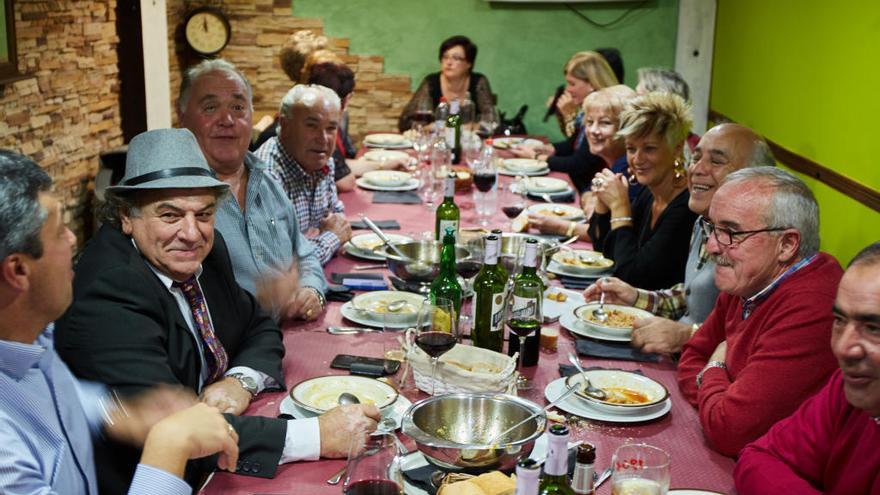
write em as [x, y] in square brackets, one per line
[47, 417]
[270, 256]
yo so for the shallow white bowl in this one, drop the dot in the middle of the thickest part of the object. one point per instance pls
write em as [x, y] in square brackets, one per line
[654, 390]
[582, 313]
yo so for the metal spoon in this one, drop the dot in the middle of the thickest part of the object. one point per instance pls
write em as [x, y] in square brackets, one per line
[599, 313]
[346, 398]
[596, 393]
[543, 410]
[602, 478]
[395, 306]
[385, 240]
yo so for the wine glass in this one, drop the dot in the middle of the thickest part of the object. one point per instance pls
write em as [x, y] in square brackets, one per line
[524, 318]
[485, 177]
[430, 186]
[376, 469]
[436, 331]
[488, 122]
[639, 468]
[514, 201]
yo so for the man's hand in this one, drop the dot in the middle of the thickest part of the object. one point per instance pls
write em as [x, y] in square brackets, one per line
[132, 421]
[277, 293]
[343, 425]
[195, 432]
[227, 396]
[720, 353]
[616, 291]
[303, 304]
[661, 335]
[337, 224]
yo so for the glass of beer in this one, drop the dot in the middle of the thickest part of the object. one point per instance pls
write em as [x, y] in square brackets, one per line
[639, 469]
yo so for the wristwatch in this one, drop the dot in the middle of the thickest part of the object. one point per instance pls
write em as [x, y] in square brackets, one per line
[710, 364]
[247, 383]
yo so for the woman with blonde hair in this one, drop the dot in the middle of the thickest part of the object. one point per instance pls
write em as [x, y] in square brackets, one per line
[585, 72]
[647, 239]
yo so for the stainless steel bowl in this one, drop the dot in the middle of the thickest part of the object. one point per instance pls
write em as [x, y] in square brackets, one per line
[453, 430]
[425, 263]
[512, 248]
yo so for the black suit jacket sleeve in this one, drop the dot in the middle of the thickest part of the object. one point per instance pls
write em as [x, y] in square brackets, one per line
[579, 164]
[124, 329]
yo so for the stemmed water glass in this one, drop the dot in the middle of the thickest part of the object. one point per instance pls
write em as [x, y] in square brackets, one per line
[524, 317]
[376, 469]
[488, 122]
[436, 331]
[485, 177]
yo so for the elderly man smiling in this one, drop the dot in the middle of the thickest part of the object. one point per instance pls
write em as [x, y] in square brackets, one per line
[300, 156]
[270, 256]
[156, 301]
[764, 348]
[683, 307]
[830, 444]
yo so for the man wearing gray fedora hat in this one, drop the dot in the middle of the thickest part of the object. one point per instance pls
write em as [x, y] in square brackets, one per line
[270, 255]
[156, 301]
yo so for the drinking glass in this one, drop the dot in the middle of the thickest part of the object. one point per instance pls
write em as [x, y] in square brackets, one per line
[488, 122]
[375, 470]
[436, 331]
[513, 201]
[485, 192]
[430, 186]
[639, 469]
[524, 317]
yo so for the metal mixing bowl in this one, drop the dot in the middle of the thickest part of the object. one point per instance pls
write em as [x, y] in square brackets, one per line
[512, 247]
[453, 430]
[426, 256]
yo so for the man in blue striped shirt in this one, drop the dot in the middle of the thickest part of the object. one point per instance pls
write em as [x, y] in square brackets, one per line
[47, 416]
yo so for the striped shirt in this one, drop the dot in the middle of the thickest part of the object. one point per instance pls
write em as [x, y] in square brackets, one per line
[46, 417]
[313, 195]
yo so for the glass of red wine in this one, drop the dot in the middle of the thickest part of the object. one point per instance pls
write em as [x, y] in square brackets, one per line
[375, 470]
[436, 331]
[514, 200]
[485, 195]
[524, 318]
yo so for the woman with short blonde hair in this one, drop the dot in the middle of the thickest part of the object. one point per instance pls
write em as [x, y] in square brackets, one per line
[648, 238]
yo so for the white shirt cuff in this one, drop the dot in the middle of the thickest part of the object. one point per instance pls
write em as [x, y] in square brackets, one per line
[262, 380]
[302, 442]
[149, 480]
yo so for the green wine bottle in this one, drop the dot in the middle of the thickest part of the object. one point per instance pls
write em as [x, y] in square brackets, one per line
[447, 213]
[502, 272]
[446, 284]
[453, 130]
[555, 479]
[526, 315]
[489, 297]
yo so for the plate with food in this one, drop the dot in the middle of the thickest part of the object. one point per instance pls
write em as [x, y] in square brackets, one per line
[523, 165]
[571, 323]
[365, 245]
[558, 301]
[627, 392]
[620, 318]
[576, 406]
[387, 140]
[388, 306]
[387, 178]
[562, 212]
[583, 261]
[538, 185]
[320, 394]
[409, 185]
[380, 155]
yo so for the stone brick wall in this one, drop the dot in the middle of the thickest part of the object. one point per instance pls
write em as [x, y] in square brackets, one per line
[259, 28]
[67, 112]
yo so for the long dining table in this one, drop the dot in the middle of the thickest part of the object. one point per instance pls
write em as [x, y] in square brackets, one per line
[310, 349]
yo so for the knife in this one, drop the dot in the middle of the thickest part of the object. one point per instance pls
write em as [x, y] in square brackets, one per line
[349, 330]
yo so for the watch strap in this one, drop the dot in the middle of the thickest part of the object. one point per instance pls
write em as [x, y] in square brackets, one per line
[709, 365]
[247, 383]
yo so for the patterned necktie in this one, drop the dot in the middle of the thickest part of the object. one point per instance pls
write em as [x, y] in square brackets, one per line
[215, 355]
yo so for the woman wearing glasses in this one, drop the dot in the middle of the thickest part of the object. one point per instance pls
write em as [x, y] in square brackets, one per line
[648, 239]
[455, 81]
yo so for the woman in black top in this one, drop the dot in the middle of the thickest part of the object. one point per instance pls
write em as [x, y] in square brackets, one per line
[648, 239]
[455, 81]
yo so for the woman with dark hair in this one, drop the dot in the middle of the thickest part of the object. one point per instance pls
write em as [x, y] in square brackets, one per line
[455, 81]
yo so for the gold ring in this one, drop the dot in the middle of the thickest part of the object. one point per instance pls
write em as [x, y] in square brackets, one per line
[231, 429]
[309, 313]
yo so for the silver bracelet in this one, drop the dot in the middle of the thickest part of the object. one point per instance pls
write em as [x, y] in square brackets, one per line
[709, 365]
[621, 219]
[321, 299]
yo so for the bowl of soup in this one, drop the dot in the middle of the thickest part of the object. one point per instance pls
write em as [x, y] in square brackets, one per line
[627, 392]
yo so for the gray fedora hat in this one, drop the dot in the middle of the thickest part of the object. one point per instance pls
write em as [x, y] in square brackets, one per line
[166, 159]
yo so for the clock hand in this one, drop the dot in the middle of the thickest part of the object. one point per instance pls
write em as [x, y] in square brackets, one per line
[205, 24]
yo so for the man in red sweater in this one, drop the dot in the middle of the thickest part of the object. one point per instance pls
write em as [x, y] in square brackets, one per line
[830, 445]
[764, 348]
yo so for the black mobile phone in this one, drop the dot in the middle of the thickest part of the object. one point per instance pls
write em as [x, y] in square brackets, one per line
[363, 365]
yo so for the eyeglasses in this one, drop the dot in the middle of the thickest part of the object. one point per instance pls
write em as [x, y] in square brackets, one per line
[727, 237]
[454, 58]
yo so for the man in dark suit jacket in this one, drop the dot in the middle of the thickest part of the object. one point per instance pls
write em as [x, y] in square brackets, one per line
[132, 326]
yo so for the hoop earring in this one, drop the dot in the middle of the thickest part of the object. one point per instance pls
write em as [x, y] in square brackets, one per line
[631, 177]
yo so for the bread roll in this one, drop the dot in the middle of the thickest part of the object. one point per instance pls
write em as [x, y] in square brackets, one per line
[495, 483]
[467, 487]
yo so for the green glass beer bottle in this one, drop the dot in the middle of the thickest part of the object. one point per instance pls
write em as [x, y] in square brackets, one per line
[489, 298]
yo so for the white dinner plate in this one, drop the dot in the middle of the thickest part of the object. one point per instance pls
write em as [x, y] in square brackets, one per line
[540, 185]
[321, 393]
[395, 411]
[380, 154]
[504, 143]
[387, 178]
[599, 264]
[566, 212]
[369, 301]
[358, 246]
[554, 309]
[504, 171]
[409, 186]
[577, 406]
[390, 141]
[560, 269]
[360, 318]
[571, 323]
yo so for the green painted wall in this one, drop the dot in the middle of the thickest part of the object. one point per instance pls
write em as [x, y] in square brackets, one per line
[522, 47]
[805, 75]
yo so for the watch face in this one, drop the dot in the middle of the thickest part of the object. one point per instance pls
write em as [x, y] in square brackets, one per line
[207, 31]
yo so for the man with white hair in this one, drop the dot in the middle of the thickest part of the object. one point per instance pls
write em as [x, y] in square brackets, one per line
[270, 256]
[300, 156]
[764, 347]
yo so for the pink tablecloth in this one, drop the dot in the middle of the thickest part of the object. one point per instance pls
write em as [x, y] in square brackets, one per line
[310, 350]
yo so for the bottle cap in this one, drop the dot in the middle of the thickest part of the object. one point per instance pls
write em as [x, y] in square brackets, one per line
[586, 453]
